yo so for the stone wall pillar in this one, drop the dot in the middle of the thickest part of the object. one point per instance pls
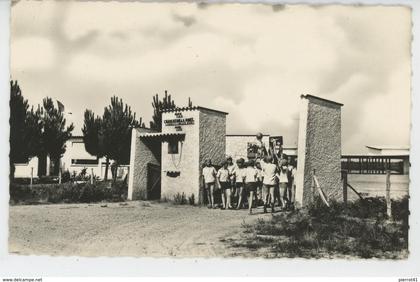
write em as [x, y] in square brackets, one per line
[319, 148]
[142, 152]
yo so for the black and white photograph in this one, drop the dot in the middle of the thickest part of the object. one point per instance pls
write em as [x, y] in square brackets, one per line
[210, 130]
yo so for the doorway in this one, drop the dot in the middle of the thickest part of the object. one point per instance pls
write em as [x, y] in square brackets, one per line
[153, 181]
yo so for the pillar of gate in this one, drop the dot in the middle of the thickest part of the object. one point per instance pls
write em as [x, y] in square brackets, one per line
[142, 152]
[319, 148]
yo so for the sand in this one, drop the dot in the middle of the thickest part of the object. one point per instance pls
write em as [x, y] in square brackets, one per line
[134, 228]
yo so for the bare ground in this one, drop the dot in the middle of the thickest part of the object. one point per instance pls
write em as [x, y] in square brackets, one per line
[126, 229]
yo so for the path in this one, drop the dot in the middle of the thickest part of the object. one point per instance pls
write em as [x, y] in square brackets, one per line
[128, 229]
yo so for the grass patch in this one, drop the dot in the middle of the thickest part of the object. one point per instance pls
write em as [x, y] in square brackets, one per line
[318, 231]
[180, 199]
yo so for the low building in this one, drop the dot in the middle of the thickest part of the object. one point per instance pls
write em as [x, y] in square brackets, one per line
[74, 160]
[377, 160]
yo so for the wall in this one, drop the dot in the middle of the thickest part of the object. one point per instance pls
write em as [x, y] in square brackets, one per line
[75, 149]
[212, 137]
[24, 170]
[141, 154]
[319, 148]
[237, 145]
[212, 140]
[185, 162]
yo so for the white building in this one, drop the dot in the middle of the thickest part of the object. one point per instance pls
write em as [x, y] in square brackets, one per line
[74, 160]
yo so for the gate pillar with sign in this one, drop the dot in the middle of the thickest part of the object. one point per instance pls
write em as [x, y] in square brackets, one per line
[182, 159]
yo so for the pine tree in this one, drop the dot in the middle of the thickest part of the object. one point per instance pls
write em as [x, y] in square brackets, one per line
[25, 128]
[55, 133]
[158, 107]
[92, 134]
[110, 136]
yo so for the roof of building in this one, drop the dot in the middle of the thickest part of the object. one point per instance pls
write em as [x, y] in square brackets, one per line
[76, 137]
[245, 135]
[194, 108]
[161, 134]
[308, 96]
[387, 147]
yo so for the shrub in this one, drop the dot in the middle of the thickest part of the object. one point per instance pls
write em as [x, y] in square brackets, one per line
[180, 199]
[319, 231]
[400, 209]
[67, 192]
[119, 190]
[66, 177]
[48, 180]
[191, 200]
[24, 180]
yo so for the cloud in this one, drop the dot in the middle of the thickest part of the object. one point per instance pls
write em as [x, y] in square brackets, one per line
[251, 60]
[187, 20]
[14, 2]
[278, 7]
[32, 54]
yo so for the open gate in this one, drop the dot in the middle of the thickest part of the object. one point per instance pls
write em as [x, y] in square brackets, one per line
[153, 181]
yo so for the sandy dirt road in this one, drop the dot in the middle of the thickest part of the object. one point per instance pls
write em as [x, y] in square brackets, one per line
[128, 229]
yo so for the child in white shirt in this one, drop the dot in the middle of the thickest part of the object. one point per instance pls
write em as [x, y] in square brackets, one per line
[223, 181]
[283, 182]
[250, 179]
[269, 182]
[239, 181]
[259, 181]
[209, 175]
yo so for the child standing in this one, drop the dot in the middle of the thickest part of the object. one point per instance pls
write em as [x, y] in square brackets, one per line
[250, 179]
[291, 182]
[283, 182]
[223, 181]
[259, 182]
[231, 168]
[269, 181]
[209, 175]
[239, 181]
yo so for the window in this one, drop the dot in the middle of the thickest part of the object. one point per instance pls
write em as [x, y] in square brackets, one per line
[173, 147]
[84, 162]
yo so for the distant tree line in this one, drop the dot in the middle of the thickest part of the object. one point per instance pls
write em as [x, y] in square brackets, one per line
[42, 131]
[109, 135]
[37, 132]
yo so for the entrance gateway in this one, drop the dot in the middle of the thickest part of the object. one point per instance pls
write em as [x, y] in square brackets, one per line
[191, 135]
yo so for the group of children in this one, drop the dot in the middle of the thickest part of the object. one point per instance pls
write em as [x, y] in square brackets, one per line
[252, 183]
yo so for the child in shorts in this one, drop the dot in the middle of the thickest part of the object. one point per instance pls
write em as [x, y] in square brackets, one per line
[259, 182]
[239, 181]
[222, 178]
[231, 168]
[283, 182]
[250, 179]
[291, 183]
[209, 175]
[269, 182]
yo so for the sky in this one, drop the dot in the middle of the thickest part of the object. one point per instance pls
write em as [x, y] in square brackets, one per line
[250, 60]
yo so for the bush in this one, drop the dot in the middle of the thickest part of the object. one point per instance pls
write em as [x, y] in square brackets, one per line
[25, 180]
[319, 231]
[66, 177]
[180, 199]
[191, 200]
[67, 193]
[48, 180]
